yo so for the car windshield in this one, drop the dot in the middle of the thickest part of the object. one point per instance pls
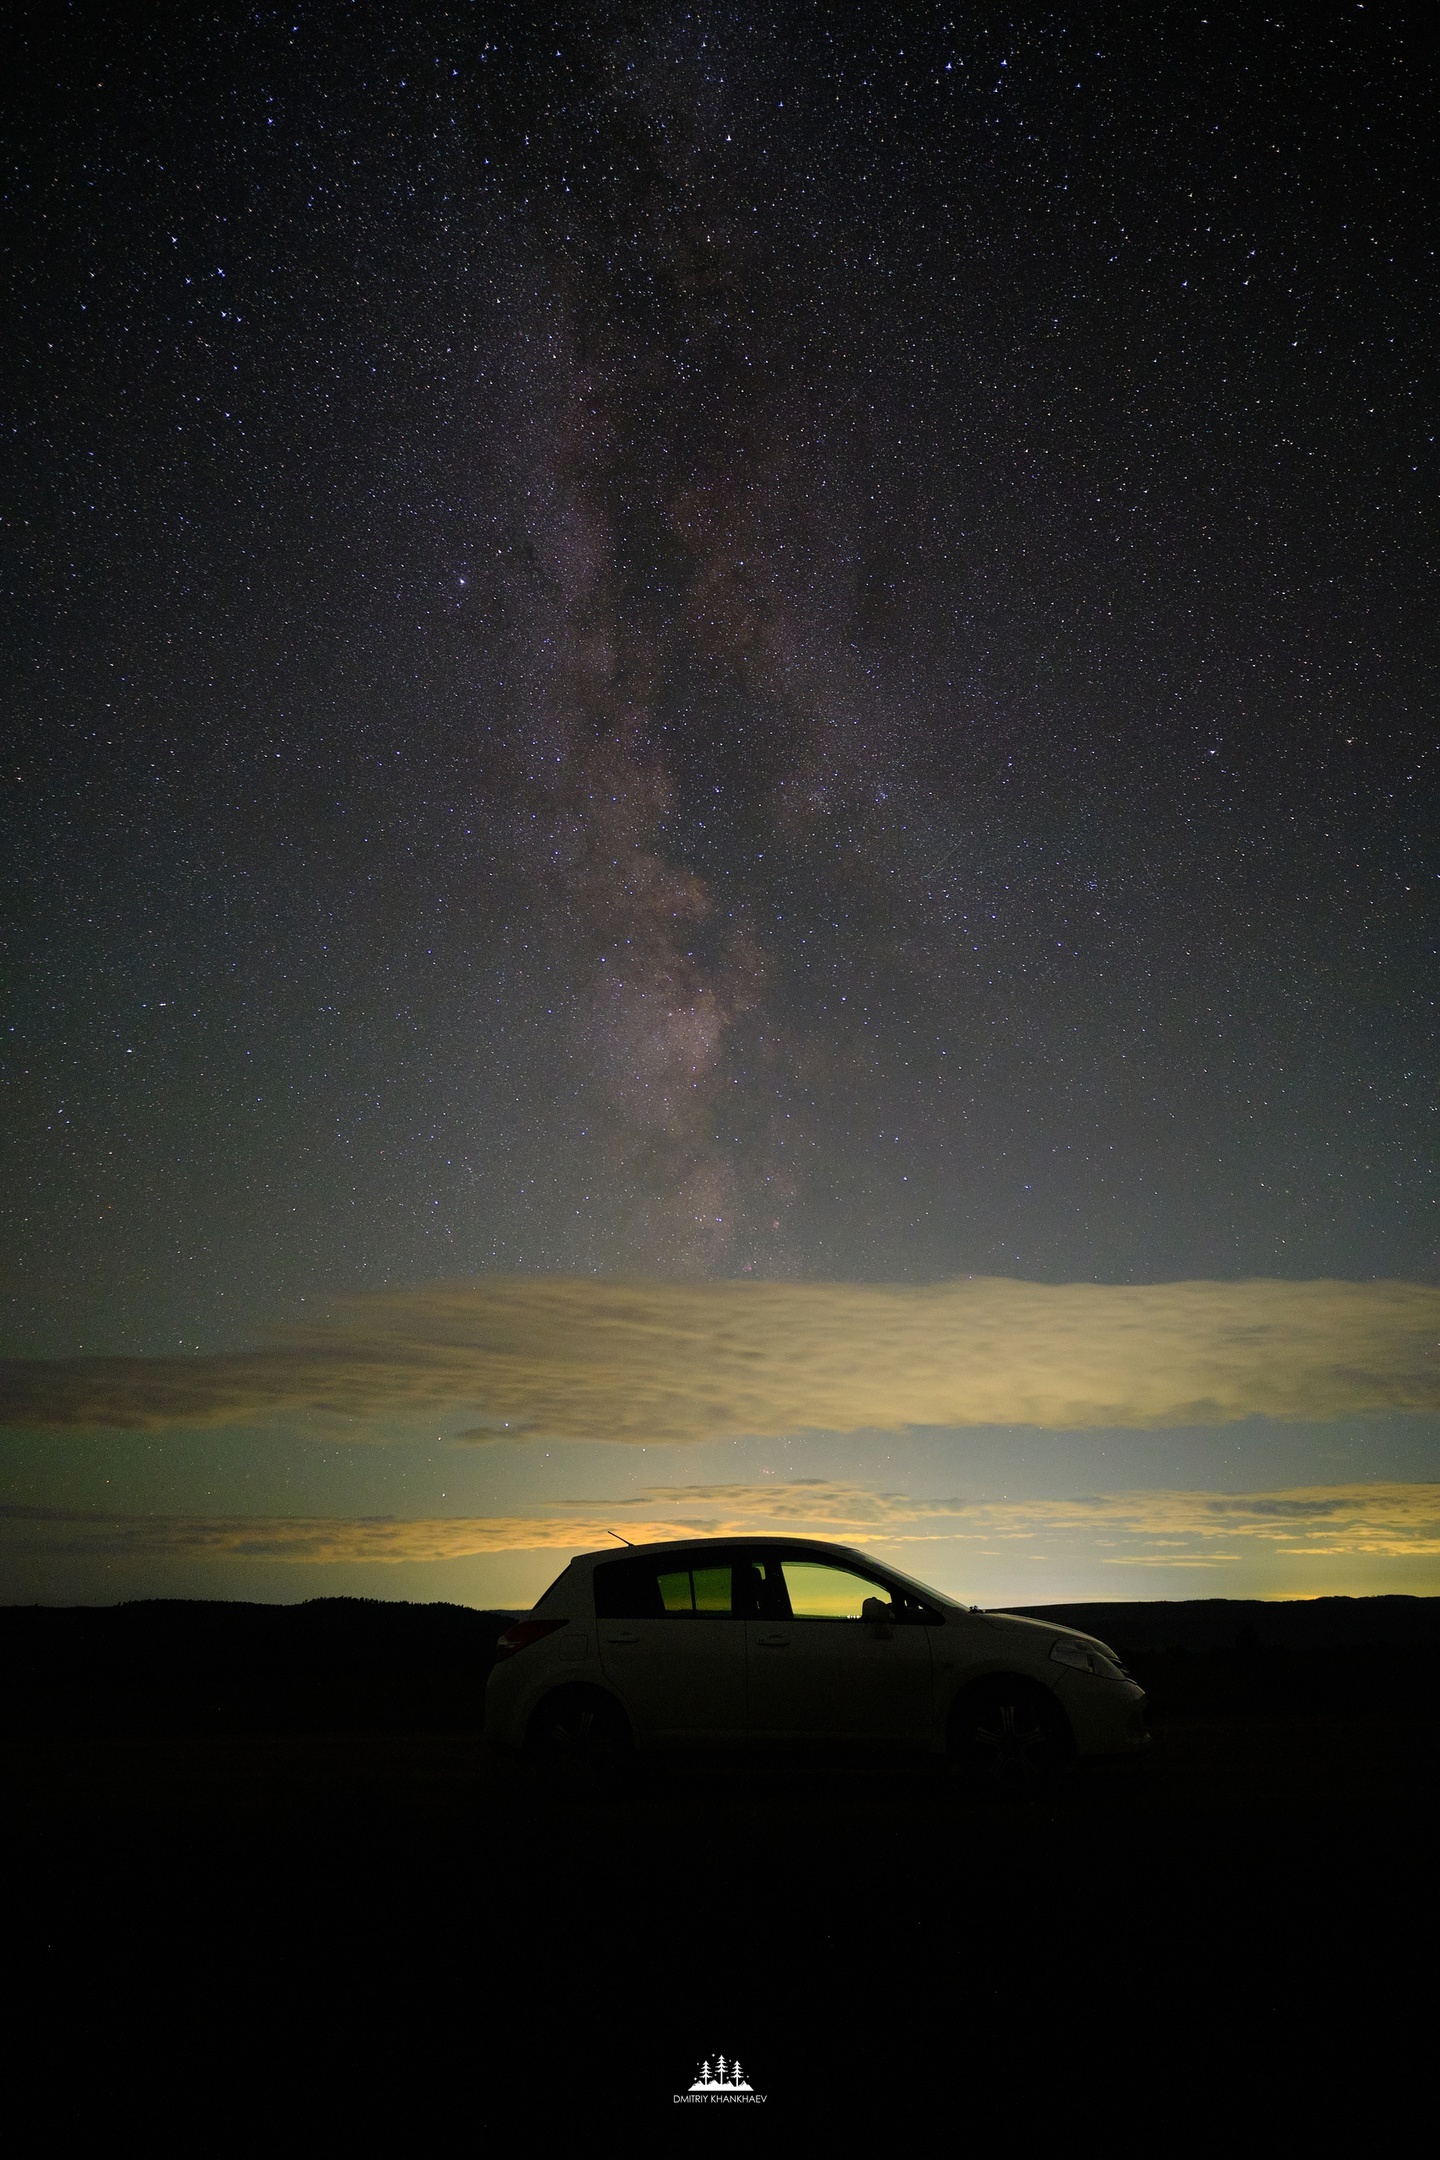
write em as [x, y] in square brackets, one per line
[924, 1591]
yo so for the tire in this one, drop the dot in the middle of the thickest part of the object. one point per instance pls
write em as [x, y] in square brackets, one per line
[579, 1736]
[1009, 1738]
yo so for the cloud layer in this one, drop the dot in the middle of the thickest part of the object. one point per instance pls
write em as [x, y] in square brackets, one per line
[607, 1359]
[1179, 1529]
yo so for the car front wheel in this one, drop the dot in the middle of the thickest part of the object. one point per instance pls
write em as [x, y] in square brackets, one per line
[1009, 1738]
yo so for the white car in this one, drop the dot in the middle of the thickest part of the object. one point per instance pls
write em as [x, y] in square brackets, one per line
[784, 1641]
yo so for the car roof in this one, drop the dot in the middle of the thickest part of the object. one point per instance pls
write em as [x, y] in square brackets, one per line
[766, 1544]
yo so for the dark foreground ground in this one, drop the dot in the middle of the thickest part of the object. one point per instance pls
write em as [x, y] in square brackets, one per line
[260, 1872]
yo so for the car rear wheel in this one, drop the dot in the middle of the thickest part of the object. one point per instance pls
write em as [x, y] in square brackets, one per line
[579, 1734]
[1009, 1738]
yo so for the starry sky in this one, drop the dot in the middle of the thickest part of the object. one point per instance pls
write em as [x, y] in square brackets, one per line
[688, 646]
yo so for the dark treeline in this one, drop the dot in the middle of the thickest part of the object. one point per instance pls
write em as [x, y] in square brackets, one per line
[177, 1665]
[1241, 1658]
[362, 1665]
[1326, 1623]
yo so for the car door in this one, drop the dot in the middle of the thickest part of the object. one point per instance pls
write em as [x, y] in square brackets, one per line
[820, 1670]
[672, 1644]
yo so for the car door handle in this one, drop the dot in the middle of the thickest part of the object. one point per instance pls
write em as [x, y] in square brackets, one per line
[622, 1638]
[772, 1642]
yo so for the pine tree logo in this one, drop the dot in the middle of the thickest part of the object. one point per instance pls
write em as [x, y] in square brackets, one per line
[724, 2077]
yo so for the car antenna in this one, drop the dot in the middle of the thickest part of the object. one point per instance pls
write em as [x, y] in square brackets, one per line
[624, 1540]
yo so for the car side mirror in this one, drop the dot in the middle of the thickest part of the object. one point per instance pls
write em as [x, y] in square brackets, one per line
[875, 1608]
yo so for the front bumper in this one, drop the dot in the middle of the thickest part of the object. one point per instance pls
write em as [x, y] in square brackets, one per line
[1107, 1717]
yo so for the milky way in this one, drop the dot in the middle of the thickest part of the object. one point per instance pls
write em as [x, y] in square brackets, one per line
[714, 647]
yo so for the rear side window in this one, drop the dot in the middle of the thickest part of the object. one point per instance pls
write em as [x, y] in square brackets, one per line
[627, 1590]
[675, 1586]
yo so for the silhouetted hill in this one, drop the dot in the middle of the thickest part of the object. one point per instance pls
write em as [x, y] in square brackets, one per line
[361, 1665]
[1327, 1623]
[1240, 1658]
[177, 1665]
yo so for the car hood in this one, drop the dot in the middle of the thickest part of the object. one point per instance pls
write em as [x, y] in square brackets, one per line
[1052, 1629]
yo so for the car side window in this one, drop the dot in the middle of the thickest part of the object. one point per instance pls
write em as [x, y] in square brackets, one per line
[819, 1591]
[749, 1584]
[712, 1589]
[760, 1588]
[696, 1590]
[627, 1590]
[675, 1595]
[664, 1589]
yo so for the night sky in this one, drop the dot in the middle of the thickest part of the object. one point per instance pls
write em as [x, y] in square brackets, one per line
[700, 643]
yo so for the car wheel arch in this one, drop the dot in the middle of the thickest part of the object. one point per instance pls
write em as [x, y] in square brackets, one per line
[981, 1689]
[577, 1692]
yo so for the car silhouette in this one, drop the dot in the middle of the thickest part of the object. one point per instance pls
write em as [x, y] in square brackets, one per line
[785, 1642]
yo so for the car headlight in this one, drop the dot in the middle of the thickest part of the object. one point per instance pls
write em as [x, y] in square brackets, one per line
[1082, 1657]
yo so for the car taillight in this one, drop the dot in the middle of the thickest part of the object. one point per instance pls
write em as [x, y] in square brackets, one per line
[521, 1633]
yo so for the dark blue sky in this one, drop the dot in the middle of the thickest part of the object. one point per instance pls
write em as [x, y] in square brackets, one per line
[713, 642]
